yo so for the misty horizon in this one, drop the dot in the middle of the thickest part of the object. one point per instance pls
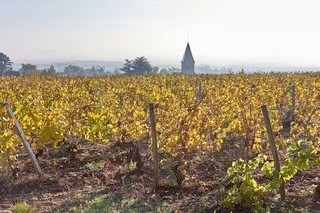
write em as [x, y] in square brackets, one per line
[200, 68]
[222, 33]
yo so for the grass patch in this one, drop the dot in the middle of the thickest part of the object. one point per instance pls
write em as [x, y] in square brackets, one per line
[22, 208]
[108, 204]
[100, 204]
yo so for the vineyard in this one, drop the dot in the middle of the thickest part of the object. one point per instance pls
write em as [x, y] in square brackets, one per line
[206, 119]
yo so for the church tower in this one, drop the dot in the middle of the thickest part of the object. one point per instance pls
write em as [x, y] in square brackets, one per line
[187, 63]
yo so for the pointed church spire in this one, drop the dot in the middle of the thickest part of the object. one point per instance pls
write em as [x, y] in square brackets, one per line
[187, 63]
[187, 56]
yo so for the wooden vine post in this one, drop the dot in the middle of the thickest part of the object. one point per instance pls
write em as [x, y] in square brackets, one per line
[23, 139]
[293, 98]
[154, 146]
[199, 94]
[273, 148]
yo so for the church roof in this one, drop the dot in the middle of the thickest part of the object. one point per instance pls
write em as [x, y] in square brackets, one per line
[187, 56]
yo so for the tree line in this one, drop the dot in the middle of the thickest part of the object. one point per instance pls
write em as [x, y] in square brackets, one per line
[137, 66]
[26, 69]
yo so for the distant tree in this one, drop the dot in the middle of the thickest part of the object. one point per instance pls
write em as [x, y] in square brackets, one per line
[52, 71]
[128, 67]
[94, 71]
[155, 70]
[44, 72]
[139, 65]
[49, 72]
[29, 69]
[73, 70]
[5, 63]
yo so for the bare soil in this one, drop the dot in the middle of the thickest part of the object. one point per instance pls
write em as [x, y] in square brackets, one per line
[121, 173]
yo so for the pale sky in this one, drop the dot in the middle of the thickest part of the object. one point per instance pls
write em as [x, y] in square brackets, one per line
[285, 32]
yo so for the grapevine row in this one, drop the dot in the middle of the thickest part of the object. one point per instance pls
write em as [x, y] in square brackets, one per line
[54, 109]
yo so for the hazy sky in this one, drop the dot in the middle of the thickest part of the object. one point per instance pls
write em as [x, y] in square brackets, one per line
[221, 31]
